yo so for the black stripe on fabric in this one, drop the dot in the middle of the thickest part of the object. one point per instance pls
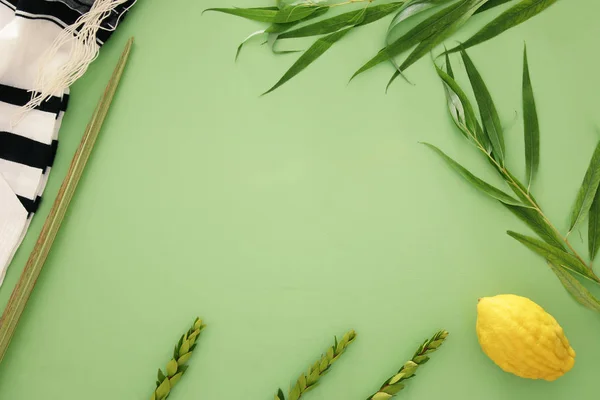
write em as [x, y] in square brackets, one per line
[53, 150]
[54, 9]
[20, 97]
[30, 205]
[12, 4]
[65, 102]
[63, 15]
[110, 24]
[25, 151]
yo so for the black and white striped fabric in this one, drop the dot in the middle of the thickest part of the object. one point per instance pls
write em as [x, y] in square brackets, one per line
[64, 13]
[27, 149]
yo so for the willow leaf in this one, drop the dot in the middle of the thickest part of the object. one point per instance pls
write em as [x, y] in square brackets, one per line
[315, 51]
[295, 13]
[260, 14]
[438, 36]
[512, 17]
[491, 4]
[555, 256]
[462, 110]
[538, 224]
[420, 32]
[576, 289]
[271, 14]
[278, 28]
[449, 66]
[250, 36]
[338, 22]
[271, 43]
[272, 40]
[594, 227]
[519, 189]
[531, 125]
[475, 181]
[455, 105]
[411, 8]
[588, 189]
[487, 109]
[287, 3]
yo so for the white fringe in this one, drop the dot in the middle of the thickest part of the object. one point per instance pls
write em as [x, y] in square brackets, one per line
[81, 36]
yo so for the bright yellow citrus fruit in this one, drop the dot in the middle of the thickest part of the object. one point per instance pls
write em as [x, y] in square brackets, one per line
[522, 338]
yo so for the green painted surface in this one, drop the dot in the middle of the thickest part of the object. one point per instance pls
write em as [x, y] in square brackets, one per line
[287, 219]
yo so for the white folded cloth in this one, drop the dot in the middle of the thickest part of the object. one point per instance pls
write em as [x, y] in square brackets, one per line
[29, 141]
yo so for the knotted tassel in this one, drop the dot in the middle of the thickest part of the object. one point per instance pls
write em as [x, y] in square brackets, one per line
[81, 36]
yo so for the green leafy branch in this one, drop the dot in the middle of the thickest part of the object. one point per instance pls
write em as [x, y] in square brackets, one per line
[422, 38]
[396, 383]
[310, 379]
[175, 369]
[487, 137]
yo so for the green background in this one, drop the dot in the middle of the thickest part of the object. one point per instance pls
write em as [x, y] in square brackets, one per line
[287, 219]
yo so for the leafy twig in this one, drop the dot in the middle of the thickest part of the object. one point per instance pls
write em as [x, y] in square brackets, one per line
[177, 366]
[556, 249]
[424, 37]
[396, 383]
[518, 188]
[517, 14]
[508, 176]
[309, 380]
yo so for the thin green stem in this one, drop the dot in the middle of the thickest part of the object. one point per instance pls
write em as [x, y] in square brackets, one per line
[508, 176]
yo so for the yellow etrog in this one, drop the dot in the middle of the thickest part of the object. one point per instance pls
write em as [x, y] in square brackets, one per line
[522, 338]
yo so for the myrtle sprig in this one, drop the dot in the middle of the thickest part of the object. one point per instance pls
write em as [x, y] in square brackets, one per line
[177, 366]
[396, 383]
[310, 379]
